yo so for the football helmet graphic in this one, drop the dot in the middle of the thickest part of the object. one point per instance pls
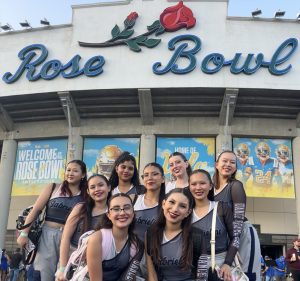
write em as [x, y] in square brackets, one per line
[263, 150]
[282, 152]
[242, 151]
[106, 159]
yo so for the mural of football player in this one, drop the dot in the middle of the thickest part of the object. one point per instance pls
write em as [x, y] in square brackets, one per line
[265, 167]
[106, 159]
[244, 163]
[285, 165]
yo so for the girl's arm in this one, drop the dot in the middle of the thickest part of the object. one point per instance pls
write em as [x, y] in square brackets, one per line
[38, 206]
[152, 276]
[94, 257]
[68, 232]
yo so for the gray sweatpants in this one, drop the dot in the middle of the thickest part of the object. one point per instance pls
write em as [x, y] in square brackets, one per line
[249, 252]
[47, 256]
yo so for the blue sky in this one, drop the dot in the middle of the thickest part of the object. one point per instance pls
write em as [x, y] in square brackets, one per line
[59, 11]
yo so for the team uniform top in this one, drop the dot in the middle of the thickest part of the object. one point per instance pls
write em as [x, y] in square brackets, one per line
[114, 263]
[144, 216]
[234, 195]
[225, 239]
[59, 206]
[94, 221]
[132, 190]
[171, 185]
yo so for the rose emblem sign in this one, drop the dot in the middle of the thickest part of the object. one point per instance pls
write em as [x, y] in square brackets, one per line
[171, 19]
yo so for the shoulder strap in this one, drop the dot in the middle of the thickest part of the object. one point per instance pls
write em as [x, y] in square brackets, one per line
[213, 236]
[134, 199]
[40, 211]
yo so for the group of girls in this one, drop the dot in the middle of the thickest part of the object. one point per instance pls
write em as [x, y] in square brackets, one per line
[165, 228]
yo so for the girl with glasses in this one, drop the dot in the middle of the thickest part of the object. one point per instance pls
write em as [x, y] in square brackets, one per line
[114, 251]
[180, 170]
[85, 216]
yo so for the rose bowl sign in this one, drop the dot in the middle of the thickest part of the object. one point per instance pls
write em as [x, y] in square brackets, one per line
[184, 47]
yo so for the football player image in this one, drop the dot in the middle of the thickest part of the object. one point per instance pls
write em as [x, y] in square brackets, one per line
[244, 163]
[265, 167]
[285, 165]
[106, 159]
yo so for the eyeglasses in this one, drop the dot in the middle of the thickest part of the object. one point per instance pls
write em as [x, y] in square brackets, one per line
[127, 209]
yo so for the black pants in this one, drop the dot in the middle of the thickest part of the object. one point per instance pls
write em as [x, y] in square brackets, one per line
[296, 275]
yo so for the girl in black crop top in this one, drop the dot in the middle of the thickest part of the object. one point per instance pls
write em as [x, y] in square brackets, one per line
[64, 197]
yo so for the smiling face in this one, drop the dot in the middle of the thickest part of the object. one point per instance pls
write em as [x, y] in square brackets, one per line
[98, 188]
[176, 208]
[73, 173]
[120, 212]
[200, 186]
[152, 178]
[226, 165]
[125, 171]
[177, 166]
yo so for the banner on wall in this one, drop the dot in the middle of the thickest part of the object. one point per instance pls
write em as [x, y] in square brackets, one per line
[265, 166]
[38, 163]
[200, 152]
[99, 154]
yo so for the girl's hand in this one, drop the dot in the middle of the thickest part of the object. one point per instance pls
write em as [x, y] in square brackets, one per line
[225, 272]
[22, 240]
[60, 276]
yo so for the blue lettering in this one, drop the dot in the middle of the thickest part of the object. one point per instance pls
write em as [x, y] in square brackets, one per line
[52, 68]
[26, 55]
[180, 52]
[234, 69]
[93, 66]
[216, 59]
[276, 60]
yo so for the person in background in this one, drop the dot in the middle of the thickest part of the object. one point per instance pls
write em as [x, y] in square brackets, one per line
[85, 216]
[269, 269]
[124, 176]
[3, 265]
[292, 259]
[14, 263]
[229, 190]
[279, 269]
[180, 170]
[63, 197]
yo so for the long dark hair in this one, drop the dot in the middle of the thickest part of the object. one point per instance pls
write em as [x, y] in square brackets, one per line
[85, 212]
[210, 195]
[182, 156]
[83, 183]
[158, 229]
[106, 222]
[216, 179]
[162, 192]
[114, 179]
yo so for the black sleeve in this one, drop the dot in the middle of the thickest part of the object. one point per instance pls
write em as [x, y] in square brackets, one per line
[225, 212]
[239, 199]
[200, 259]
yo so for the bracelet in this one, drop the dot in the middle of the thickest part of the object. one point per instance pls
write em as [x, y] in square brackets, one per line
[24, 233]
[62, 268]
